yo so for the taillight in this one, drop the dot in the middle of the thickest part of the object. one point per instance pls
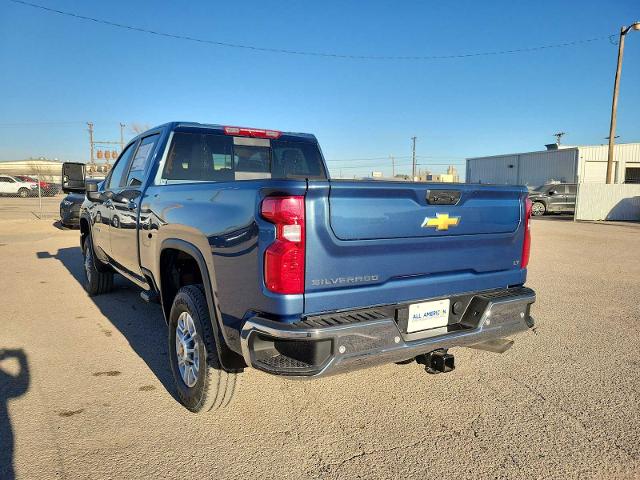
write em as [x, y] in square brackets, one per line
[284, 258]
[526, 247]
[252, 132]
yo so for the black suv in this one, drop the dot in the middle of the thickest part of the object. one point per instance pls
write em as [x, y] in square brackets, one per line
[555, 197]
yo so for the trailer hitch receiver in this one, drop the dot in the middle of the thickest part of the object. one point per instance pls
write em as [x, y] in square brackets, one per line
[438, 361]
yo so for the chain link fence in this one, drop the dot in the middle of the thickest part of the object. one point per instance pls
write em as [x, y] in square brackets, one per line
[30, 190]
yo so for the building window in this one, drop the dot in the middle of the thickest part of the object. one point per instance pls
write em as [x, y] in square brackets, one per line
[632, 175]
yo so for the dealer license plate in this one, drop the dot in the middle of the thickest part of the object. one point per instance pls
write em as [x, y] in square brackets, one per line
[426, 315]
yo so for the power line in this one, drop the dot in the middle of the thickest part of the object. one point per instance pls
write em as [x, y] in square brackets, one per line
[384, 161]
[29, 124]
[442, 157]
[52, 123]
[308, 53]
[362, 159]
[381, 165]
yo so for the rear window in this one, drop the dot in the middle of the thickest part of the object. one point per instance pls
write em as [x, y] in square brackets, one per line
[296, 159]
[215, 158]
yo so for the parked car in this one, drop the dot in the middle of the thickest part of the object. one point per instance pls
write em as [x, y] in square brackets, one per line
[13, 186]
[70, 209]
[260, 260]
[47, 189]
[553, 198]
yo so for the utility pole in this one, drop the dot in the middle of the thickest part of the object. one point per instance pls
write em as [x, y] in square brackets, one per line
[92, 158]
[413, 159]
[558, 136]
[393, 166]
[93, 143]
[122, 125]
[614, 104]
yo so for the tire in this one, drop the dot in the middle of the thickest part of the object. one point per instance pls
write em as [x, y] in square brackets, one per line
[23, 192]
[538, 209]
[208, 386]
[97, 281]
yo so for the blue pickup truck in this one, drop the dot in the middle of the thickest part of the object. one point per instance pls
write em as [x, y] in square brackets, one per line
[259, 259]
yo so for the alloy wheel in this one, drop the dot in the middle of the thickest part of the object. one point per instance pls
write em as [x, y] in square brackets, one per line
[187, 349]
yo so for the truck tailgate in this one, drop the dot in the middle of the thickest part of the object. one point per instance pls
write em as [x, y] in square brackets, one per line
[383, 242]
[362, 211]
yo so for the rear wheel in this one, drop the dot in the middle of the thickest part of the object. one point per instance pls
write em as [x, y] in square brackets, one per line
[201, 382]
[97, 281]
[538, 209]
[23, 192]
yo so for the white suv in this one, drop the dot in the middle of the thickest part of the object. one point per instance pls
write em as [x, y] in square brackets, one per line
[15, 187]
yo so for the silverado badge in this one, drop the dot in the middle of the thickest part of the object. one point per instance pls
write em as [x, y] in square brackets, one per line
[442, 221]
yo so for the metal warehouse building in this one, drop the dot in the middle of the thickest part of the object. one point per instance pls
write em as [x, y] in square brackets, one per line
[576, 164]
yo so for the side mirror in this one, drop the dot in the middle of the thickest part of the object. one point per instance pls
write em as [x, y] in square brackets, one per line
[551, 192]
[73, 176]
[92, 191]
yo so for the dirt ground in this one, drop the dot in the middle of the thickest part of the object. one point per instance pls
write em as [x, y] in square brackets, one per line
[86, 389]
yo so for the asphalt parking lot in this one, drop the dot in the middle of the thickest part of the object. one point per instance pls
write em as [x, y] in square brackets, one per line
[94, 397]
[16, 208]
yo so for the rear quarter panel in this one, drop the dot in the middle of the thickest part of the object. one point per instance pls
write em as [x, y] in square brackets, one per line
[222, 220]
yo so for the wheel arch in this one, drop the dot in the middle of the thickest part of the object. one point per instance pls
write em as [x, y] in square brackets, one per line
[85, 229]
[175, 249]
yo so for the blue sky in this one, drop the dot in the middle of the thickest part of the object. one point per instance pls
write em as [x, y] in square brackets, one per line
[58, 70]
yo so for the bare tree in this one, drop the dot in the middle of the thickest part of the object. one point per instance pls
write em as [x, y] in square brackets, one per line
[137, 128]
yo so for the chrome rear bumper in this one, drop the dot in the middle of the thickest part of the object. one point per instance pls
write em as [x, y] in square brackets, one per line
[309, 349]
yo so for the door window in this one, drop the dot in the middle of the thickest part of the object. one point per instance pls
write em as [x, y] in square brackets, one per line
[141, 160]
[116, 178]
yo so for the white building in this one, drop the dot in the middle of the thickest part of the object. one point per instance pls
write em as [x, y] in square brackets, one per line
[49, 170]
[566, 164]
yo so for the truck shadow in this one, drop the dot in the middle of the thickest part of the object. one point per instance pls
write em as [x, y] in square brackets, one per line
[12, 385]
[141, 324]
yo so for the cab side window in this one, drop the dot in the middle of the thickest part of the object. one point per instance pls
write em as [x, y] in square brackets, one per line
[117, 178]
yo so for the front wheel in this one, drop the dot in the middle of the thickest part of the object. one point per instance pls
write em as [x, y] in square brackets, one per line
[23, 192]
[96, 281]
[201, 382]
[538, 209]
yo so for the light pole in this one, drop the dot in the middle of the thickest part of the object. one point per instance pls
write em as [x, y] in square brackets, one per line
[614, 104]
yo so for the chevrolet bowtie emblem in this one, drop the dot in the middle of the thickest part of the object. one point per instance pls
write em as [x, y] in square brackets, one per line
[442, 221]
